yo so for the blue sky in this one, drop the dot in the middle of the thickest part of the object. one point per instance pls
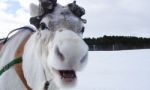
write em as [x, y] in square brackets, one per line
[13, 6]
[105, 17]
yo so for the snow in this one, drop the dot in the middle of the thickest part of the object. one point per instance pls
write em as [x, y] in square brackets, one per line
[116, 70]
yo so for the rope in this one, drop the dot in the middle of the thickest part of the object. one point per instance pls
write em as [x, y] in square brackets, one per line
[10, 64]
[25, 27]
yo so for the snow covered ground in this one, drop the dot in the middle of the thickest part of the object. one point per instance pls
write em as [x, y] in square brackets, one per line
[116, 70]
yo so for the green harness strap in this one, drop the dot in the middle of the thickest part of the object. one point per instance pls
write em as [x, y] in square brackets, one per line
[10, 64]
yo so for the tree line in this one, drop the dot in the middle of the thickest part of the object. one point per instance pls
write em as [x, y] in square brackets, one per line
[117, 43]
[109, 43]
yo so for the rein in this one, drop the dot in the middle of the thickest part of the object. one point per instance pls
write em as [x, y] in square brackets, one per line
[17, 61]
[10, 64]
[18, 29]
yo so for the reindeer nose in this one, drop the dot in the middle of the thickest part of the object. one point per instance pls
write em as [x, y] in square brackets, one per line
[69, 51]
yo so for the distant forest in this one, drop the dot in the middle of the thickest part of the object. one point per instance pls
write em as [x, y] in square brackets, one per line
[109, 43]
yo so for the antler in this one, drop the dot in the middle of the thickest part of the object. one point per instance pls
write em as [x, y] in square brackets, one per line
[76, 10]
[45, 6]
[48, 5]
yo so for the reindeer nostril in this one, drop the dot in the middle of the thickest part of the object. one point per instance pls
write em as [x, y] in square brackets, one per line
[84, 58]
[59, 54]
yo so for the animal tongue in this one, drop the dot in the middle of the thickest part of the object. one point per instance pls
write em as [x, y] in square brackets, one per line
[67, 74]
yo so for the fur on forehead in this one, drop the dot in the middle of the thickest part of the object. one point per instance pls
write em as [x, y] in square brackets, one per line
[62, 17]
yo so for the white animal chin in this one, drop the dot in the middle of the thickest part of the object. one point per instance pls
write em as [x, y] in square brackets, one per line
[65, 78]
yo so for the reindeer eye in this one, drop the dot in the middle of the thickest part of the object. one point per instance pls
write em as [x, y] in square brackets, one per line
[42, 26]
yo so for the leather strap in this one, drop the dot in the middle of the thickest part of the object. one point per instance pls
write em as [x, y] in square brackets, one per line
[18, 67]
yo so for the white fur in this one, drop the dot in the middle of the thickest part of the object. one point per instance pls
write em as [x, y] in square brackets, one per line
[40, 60]
[73, 48]
[7, 54]
[34, 64]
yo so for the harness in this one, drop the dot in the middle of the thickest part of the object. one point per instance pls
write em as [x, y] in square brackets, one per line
[17, 62]
[25, 27]
[10, 64]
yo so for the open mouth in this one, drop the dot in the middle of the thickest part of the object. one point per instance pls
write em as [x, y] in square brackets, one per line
[67, 75]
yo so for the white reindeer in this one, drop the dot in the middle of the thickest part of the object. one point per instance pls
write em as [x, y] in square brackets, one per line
[51, 55]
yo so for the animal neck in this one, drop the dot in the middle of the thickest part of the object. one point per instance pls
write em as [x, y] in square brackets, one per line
[18, 67]
[19, 70]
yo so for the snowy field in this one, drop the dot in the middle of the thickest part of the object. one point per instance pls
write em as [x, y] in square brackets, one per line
[116, 70]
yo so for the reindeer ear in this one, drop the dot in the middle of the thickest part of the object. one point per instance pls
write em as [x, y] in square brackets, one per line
[34, 10]
[33, 62]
